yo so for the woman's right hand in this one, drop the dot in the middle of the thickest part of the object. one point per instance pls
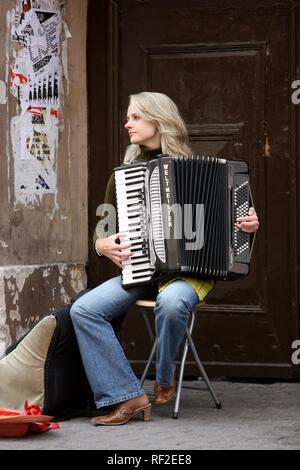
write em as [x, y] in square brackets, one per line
[109, 248]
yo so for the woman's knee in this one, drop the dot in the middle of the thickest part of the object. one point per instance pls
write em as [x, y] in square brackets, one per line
[76, 310]
[81, 308]
[172, 308]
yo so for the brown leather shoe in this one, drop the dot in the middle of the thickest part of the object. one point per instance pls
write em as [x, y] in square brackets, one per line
[164, 394]
[124, 411]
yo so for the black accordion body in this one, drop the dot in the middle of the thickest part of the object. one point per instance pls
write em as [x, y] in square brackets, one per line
[180, 214]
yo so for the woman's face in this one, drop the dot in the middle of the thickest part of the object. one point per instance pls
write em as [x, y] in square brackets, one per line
[142, 132]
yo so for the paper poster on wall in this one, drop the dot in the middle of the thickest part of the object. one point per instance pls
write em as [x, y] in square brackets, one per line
[35, 72]
[23, 7]
[19, 75]
[34, 139]
[46, 4]
[40, 32]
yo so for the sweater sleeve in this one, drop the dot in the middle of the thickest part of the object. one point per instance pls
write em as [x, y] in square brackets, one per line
[107, 221]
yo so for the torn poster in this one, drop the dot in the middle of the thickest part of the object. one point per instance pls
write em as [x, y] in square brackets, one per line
[40, 32]
[44, 37]
[34, 139]
[35, 73]
[19, 75]
[44, 90]
[23, 7]
[46, 4]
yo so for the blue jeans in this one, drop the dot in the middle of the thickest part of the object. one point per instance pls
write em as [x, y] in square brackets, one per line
[108, 371]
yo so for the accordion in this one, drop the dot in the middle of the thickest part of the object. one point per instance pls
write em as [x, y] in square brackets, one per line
[180, 214]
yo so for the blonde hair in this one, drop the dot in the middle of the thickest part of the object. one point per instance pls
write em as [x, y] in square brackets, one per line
[159, 108]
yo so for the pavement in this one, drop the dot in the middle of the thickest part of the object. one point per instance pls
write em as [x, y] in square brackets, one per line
[254, 416]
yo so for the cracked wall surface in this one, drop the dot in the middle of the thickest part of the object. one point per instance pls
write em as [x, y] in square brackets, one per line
[27, 293]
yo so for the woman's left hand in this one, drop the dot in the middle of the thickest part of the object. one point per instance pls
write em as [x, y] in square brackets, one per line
[249, 223]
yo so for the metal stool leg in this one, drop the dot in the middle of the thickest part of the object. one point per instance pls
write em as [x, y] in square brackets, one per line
[148, 326]
[182, 366]
[148, 363]
[154, 344]
[202, 370]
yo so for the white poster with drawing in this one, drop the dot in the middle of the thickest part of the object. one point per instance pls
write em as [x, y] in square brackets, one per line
[40, 31]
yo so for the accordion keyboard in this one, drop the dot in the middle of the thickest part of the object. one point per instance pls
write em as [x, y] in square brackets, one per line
[132, 219]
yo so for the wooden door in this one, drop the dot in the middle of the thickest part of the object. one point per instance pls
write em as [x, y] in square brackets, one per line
[229, 67]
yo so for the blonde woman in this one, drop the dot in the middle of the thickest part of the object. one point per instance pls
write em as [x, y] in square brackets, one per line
[154, 126]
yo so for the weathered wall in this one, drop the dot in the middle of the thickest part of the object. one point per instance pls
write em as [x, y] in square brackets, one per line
[43, 239]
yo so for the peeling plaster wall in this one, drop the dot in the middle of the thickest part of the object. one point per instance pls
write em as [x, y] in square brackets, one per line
[28, 292]
[44, 244]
